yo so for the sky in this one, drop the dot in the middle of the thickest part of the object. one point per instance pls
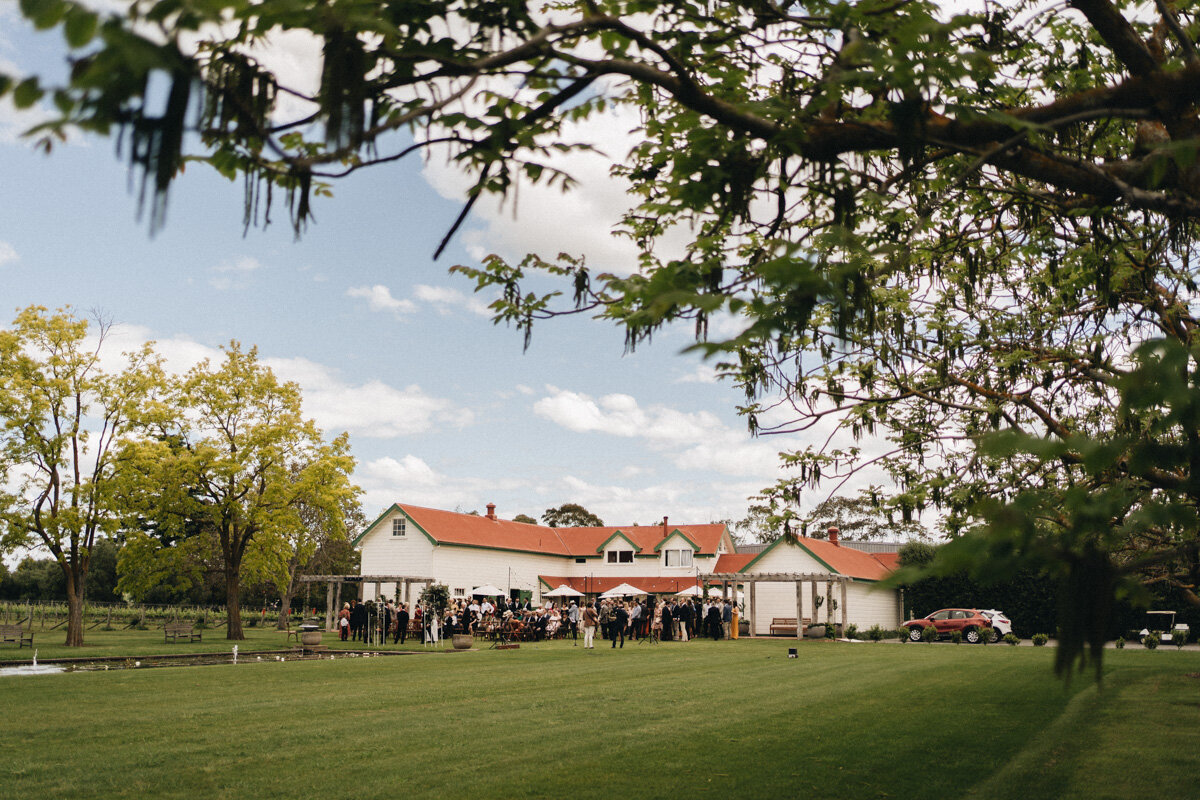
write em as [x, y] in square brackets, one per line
[444, 408]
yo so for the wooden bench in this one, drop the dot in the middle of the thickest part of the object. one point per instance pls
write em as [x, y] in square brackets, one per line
[785, 625]
[174, 631]
[15, 633]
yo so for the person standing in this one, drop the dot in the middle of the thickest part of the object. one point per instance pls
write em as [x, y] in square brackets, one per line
[620, 622]
[401, 624]
[727, 617]
[635, 619]
[589, 619]
[344, 621]
[573, 622]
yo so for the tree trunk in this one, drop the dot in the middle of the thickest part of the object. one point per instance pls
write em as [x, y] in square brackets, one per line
[233, 603]
[74, 617]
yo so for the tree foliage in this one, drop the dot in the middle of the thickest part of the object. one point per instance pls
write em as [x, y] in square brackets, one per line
[933, 224]
[237, 472]
[65, 416]
[571, 515]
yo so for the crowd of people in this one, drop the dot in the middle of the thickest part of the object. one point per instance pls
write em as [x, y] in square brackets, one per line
[617, 619]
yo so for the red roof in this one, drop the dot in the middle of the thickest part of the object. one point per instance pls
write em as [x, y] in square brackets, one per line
[599, 585]
[846, 560]
[473, 530]
[733, 562]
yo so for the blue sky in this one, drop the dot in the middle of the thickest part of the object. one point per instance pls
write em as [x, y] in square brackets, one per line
[443, 407]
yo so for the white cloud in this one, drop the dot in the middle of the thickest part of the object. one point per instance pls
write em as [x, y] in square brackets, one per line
[379, 298]
[692, 440]
[372, 409]
[445, 299]
[7, 254]
[702, 373]
[243, 264]
[233, 274]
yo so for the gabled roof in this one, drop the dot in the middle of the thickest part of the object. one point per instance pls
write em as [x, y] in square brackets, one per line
[473, 530]
[733, 562]
[616, 535]
[841, 560]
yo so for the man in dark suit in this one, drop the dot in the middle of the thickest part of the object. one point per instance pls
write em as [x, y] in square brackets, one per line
[401, 624]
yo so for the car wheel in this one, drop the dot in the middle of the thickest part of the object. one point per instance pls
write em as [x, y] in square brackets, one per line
[914, 634]
[995, 636]
[971, 635]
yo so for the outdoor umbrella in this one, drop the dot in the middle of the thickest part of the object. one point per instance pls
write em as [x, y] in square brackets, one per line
[562, 591]
[624, 590]
[691, 591]
[488, 590]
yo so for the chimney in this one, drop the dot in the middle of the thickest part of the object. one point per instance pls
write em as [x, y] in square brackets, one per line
[491, 507]
[833, 535]
[664, 526]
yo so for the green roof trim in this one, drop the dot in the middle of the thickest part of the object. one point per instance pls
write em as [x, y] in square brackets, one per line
[680, 533]
[394, 507]
[794, 541]
[615, 534]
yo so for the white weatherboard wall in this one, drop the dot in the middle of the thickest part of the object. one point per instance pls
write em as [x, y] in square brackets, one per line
[865, 604]
[458, 567]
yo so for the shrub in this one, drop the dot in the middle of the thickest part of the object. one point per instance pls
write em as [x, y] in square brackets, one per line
[1012, 638]
[929, 634]
[852, 631]
[1040, 639]
[956, 637]
[1120, 642]
[986, 634]
[1149, 641]
[1179, 637]
[875, 634]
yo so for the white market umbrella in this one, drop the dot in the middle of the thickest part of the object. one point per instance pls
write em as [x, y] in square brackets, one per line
[691, 591]
[562, 591]
[624, 590]
[488, 590]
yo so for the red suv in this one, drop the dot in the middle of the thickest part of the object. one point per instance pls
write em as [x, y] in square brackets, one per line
[948, 620]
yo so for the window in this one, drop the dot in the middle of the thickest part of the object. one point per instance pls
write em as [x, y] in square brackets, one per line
[677, 558]
[581, 561]
[398, 525]
[620, 556]
[460, 592]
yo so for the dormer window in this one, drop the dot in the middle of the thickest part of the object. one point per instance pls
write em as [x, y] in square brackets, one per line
[619, 557]
[677, 558]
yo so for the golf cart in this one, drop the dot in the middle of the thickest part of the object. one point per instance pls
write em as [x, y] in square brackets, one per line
[1162, 625]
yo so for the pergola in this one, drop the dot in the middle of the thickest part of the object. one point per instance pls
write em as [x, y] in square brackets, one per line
[332, 602]
[751, 580]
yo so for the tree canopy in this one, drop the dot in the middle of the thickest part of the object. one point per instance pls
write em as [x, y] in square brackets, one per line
[571, 515]
[64, 418]
[934, 222]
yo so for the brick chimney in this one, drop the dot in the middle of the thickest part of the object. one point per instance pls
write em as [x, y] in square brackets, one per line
[491, 507]
[664, 526]
[833, 535]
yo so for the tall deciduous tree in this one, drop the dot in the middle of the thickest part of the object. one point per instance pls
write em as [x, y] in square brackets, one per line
[64, 417]
[242, 470]
[571, 515]
[933, 225]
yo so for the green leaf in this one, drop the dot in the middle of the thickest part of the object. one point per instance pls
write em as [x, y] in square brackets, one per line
[43, 13]
[80, 26]
[27, 93]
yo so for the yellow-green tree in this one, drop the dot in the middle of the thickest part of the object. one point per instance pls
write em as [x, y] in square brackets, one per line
[239, 469]
[65, 416]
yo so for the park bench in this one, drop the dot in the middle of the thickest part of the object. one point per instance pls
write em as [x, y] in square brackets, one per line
[174, 631]
[15, 633]
[785, 625]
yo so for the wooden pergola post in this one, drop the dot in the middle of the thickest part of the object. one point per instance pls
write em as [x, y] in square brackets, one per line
[844, 614]
[750, 600]
[329, 606]
[799, 609]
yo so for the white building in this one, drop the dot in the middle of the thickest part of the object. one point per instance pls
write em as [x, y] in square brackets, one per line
[465, 551]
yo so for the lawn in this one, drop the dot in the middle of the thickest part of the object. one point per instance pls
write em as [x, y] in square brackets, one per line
[703, 719]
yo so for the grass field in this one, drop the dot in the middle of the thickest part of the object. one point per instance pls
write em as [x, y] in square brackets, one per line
[703, 719]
